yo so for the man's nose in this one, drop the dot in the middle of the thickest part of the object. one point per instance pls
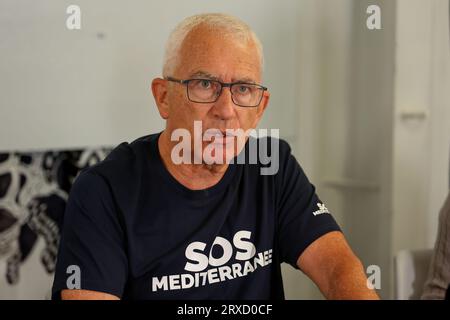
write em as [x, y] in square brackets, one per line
[224, 107]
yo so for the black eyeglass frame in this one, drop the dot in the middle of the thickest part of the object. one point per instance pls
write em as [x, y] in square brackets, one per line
[222, 85]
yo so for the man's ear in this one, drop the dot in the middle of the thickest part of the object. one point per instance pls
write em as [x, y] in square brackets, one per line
[159, 90]
[262, 107]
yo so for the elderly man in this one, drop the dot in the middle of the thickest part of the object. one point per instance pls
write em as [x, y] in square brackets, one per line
[437, 286]
[144, 224]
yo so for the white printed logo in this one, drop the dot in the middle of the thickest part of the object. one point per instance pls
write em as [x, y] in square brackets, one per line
[203, 268]
[322, 209]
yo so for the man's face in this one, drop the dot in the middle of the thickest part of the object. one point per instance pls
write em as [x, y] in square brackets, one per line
[207, 54]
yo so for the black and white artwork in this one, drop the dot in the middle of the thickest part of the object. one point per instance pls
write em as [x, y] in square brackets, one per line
[34, 188]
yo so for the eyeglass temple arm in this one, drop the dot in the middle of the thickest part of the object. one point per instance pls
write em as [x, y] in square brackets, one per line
[175, 80]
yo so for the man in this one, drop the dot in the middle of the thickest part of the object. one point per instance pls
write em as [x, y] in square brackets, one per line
[437, 285]
[144, 225]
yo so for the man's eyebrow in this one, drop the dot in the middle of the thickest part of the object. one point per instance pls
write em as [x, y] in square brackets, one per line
[206, 75]
[203, 74]
[246, 80]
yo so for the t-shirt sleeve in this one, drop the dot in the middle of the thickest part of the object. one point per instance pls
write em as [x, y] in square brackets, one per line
[302, 216]
[91, 253]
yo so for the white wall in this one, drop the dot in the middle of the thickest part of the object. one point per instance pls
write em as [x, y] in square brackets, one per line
[345, 135]
[439, 117]
[384, 177]
[323, 65]
[62, 89]
[421, 144]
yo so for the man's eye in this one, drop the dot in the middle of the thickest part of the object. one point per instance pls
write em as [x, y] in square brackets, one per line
[205, 84]
[243, 89]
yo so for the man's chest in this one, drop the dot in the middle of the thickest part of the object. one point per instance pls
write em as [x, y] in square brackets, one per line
[190, 249]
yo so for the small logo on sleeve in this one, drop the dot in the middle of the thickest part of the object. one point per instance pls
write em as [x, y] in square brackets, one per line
[322, 209]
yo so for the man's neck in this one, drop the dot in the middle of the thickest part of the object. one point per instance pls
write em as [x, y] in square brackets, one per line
[192, 176]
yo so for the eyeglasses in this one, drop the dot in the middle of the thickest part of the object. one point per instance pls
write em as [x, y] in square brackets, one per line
[208, 91]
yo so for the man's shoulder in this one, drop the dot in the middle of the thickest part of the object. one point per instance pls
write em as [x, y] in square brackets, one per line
[126, 160]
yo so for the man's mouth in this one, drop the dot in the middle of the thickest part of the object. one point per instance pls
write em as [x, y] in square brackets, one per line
[220, 137]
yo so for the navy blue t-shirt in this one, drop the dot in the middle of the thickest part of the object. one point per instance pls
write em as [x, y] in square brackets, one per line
[132, 230]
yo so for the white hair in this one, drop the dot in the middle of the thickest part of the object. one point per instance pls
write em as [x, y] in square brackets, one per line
[228, 25]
